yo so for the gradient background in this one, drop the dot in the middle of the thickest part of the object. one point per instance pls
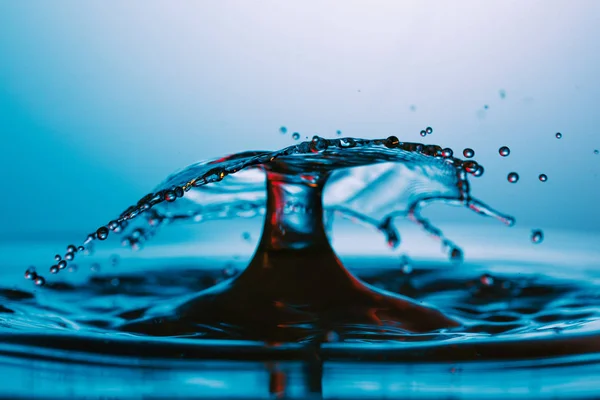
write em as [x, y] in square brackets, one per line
[99, 101]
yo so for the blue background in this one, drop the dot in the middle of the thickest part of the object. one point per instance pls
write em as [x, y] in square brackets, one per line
[99, 101]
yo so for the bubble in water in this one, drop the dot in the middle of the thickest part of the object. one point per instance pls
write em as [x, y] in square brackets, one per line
[543, 177]
[468, 153]
[537, 236]
[283, 129]
[558, 135]
[40, 281]
[57, 258]
[114, 260]
[71, 248]
[423, 133]
[486, 280]
[62, 264]
[102, 233]
[30, 273]
[513, 177]
[429, 130]
[504, 151]
[295, 136]
[54, 269]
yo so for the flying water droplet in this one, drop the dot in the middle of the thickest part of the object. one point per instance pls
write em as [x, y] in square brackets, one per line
[69, 256]
[54, 269]
[468, 153]
[102, 233]
[71, 248]
[423, 133]
[30, 273]
[429, 130]
[456, 255]
[295, 136]
[596, 151]
[543, 177]
[504, 151]
[405, 265]
[537, 236]
[558, 135]
[57, 258]
[447, 153]
[40, 281]
[338, 132]
[283, 130]
[513, 177]
[502, 93]
[62, 264]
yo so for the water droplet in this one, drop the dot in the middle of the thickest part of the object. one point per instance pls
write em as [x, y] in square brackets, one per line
[504, 151]
[447, 153]
[170, 196]
[57, 258]
[543, 177]
[456, 254]
[486, 280]
[486, 106]
[537, 236]
[102, 233]
[332, 336]
[30, 273]
[69, 256]
[391, 141]
[423, 133]
[246, 236]
[113, 225]
[179, 191]
[513, 177]
[54, 269]
[479, 171]
[71, 248]
[558, 135]
[40, 281]
[429, 130]
[338, 132]
[502, 93]
[115, 282]
[405, 266]
[283, 130]
[596, 151]
[80, 248]
[468, 153]
[95, 267]
[413, 107]
[62, 264]
[72, 268]
[295, 136]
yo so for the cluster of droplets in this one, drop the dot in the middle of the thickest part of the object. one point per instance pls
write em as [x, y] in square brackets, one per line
[426, 131]
[463, 168]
